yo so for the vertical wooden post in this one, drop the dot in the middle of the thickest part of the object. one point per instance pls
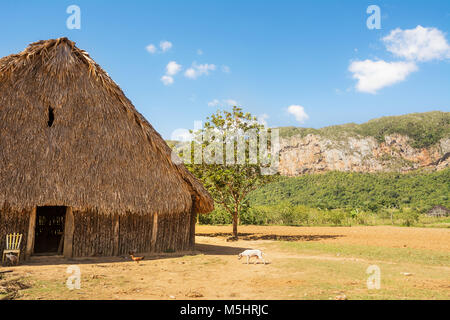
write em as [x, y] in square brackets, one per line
[193, 221]
[69, 229]
[154, 231]
[116, 235]
[31, 233]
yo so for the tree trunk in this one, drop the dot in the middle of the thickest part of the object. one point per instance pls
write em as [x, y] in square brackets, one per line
[235, 224]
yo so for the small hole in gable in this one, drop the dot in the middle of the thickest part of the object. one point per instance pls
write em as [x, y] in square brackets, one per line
[51, 117]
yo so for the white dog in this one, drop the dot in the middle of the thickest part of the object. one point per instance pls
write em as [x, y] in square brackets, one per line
[252, 253]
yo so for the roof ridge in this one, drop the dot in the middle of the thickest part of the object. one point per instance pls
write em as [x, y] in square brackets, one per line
[46, 49]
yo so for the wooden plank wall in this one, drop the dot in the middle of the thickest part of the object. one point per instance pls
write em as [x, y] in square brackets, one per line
[93, 234]
[13, 221]
[98, 234]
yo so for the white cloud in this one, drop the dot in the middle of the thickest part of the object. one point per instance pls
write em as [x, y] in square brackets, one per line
[375, 75]
[181, 135]
[213, 103]
[165, 45]
[298, 112]
[151, 48]
[262, 119]
[226, 69]
[413, 45]
[199, 69]
[167, 80]
[228, 102]
[199, 52]
[231, 102]
[172, 68]
[419, 44]
[190, 73]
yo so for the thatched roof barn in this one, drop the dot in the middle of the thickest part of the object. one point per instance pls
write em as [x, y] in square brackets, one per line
[439, 211]
[82, 171]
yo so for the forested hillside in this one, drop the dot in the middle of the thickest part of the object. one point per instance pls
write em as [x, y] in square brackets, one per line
[366, 191]
[424, 129]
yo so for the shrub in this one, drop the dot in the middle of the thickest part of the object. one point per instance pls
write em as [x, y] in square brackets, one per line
[218, 216]
[409, 217]
[363, 218]
[255, 216]
[301, 215]
[337, 217]
[298, 215]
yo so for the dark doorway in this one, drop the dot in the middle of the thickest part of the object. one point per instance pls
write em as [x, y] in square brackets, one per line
[49, 234]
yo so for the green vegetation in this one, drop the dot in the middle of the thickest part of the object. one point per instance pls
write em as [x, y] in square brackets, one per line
[229, 185]
[369, 252]
[425, 129]
[342, 270]
[288, 215]
[334, 198]
[364, 191]
[338, 198]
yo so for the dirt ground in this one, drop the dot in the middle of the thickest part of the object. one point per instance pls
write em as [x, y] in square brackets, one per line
[325, 265]
[386, 236]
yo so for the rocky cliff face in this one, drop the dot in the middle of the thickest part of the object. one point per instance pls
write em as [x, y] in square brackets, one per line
[315, 154]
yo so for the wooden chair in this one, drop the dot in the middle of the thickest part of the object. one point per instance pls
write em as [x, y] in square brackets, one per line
[12, 245]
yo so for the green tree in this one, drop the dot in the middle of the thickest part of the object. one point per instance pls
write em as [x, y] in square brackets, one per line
[230, 177]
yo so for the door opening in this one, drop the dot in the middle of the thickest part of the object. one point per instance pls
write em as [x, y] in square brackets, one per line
[49, 232]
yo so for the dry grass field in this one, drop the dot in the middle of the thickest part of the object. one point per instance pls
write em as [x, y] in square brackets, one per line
[304, 263]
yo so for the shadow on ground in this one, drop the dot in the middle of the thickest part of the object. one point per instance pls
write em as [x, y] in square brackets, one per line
[205, 249]
[59, 260]
[210, 249]
[260, 236]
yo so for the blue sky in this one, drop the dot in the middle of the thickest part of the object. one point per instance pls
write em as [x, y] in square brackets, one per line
[271, 57]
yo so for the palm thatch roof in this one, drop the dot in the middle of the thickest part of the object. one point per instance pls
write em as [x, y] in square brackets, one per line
[69, 136]
[438, 211]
